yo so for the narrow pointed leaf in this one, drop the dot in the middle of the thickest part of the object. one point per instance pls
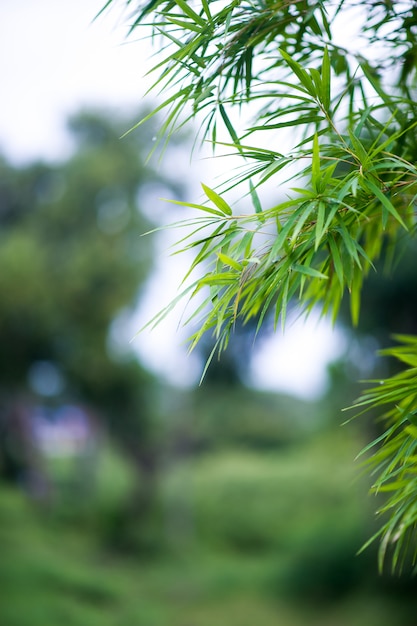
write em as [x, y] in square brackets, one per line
[217, 200]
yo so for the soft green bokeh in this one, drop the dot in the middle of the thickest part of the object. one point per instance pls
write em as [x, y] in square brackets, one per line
[250, 538]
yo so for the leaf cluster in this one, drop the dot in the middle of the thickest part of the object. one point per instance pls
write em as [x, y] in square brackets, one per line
[331, 121]
[353, 153]
[394, 455]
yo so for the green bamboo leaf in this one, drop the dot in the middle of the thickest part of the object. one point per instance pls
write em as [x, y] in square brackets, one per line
[217, 200]
[337, 261]
[369, 184]
[331, 215]
[355, 295]
[309, 271]
[301, 74]
[192, 205]
[310, 118]
[303, 279]
[301, 220]
[274, 168]
[278, 244]
[313, 24]
[325, 79]
[191, 14]
[348, 240]
[244, 245]
[248, 70]
[222, 278]
[315, 169]
[411, 430]
[360, 151]
[284, 302]
[229, 126]
[102, 10]
[185, 25]
[181, 94]
[255, 198]
[316, 77]
[206, 8]
[227, 260]
[321, 214]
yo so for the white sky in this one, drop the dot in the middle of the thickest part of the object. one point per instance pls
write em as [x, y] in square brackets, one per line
[53, 60]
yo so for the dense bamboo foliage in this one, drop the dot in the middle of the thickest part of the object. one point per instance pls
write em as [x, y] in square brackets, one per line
[347, 166]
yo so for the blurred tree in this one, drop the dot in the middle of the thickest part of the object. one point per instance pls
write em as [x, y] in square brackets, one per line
[72, 259]
[352, 112]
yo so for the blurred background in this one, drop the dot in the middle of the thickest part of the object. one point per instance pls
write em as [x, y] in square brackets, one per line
[129, 495]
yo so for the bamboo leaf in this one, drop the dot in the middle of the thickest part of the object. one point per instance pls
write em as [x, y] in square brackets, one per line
[301, 74]
[325, 79]
[206, 7]
[255, 198]
[192, 205]
[309, 271]
[321, 214]
[337, 261]
[229, 126]
[227, 260]
[217, 200]
[315, 171]
[385, 202]
[194, 17]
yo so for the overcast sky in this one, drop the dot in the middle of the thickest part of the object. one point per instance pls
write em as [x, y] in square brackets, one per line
[54, 60]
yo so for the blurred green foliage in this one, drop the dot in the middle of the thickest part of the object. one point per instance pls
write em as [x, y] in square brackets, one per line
[214, 505]
[72, 260]
[249, 538]
[71, 254]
